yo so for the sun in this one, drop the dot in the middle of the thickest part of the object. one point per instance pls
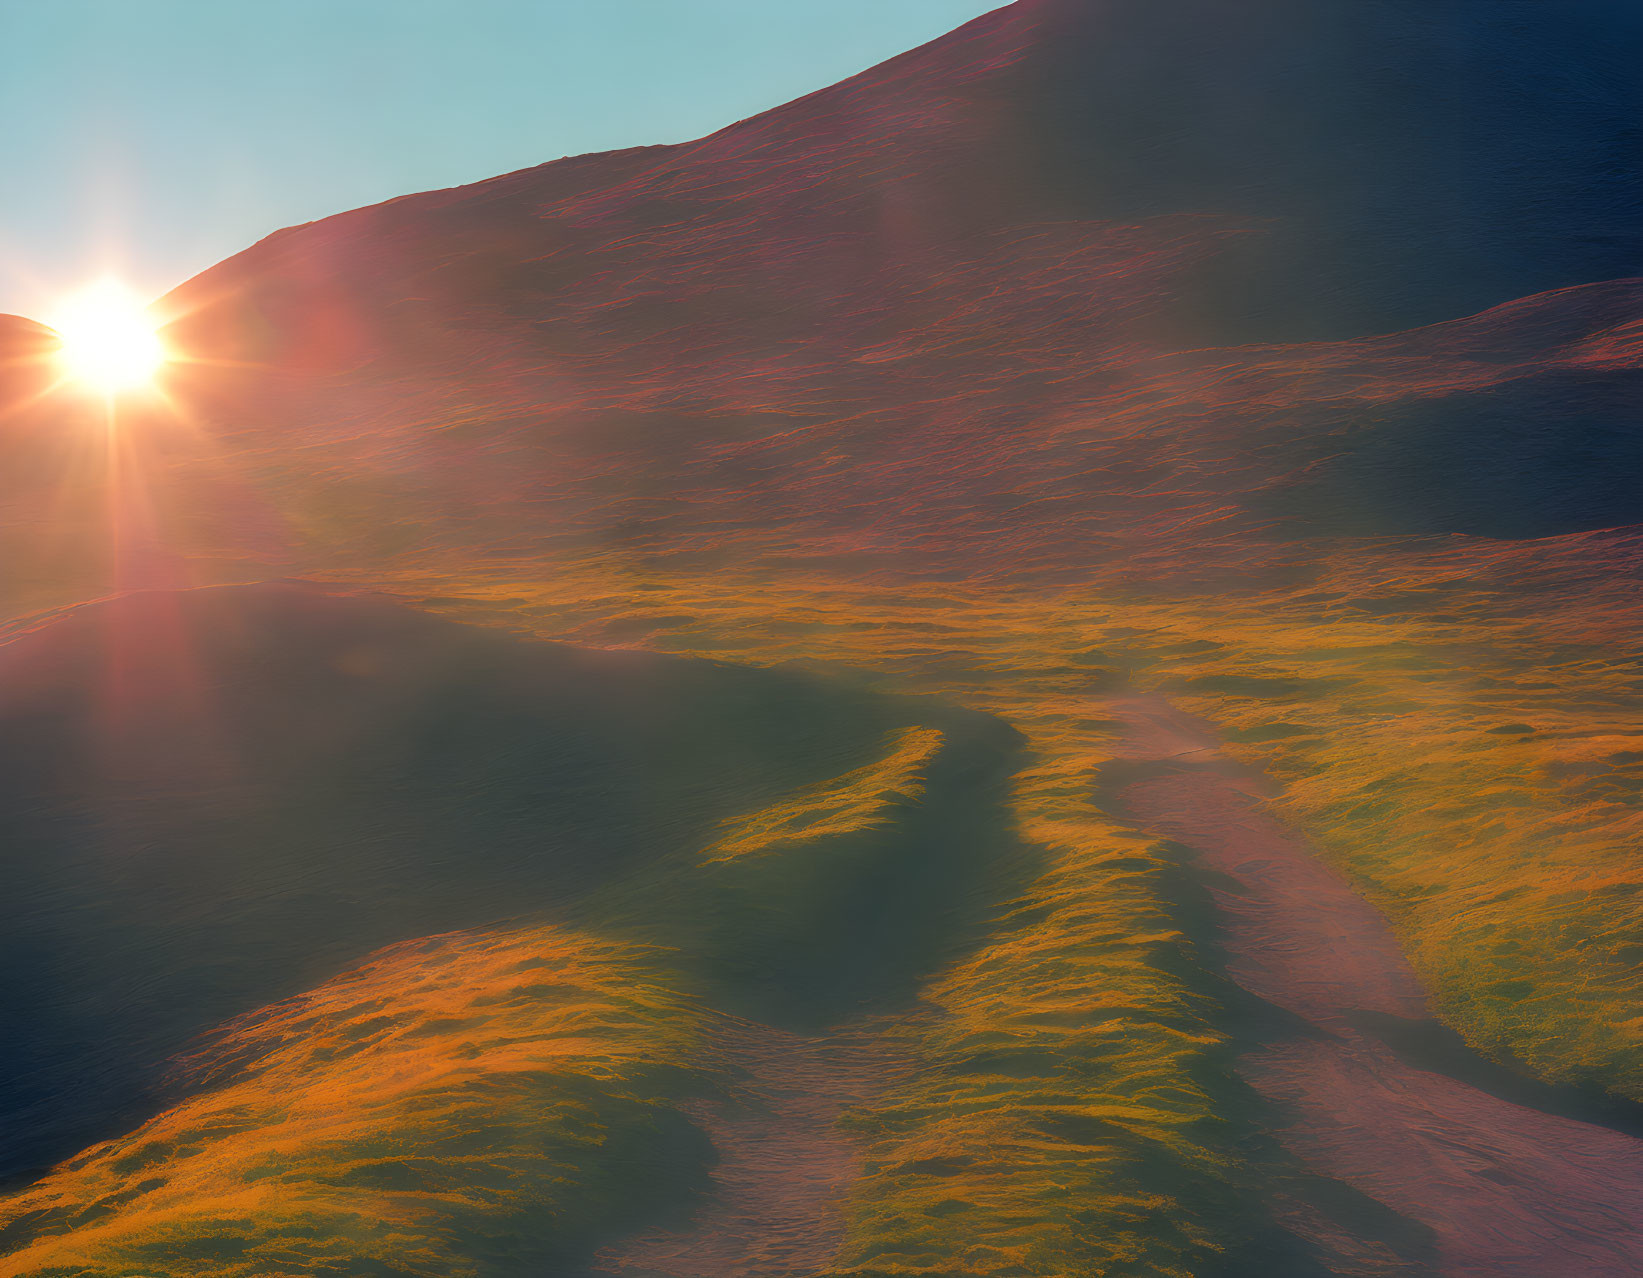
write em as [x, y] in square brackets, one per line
[110, 342]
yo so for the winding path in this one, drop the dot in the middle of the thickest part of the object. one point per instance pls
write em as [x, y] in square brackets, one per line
[784, 1161]
[1506, 1190]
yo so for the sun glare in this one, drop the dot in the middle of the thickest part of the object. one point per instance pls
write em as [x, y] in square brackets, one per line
[109, 339]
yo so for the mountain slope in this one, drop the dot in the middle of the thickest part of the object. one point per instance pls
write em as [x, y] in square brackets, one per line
[983, 292]
[1273, 366]
[1321, 172]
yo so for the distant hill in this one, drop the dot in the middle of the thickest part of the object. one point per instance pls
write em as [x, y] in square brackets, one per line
[25, 351]
[1050, 253]
[1305, 172]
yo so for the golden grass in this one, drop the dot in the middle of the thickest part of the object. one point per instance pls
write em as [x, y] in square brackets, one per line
[1385, 706]
[859, 800]
[1462, 745]
[447, 1105]
[1057, 1123]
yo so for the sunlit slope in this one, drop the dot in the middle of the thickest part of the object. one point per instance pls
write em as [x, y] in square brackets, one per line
[483, 1103]
[217, 798]
[1079, 281]
[1275, 173]
[1095, 1007]
[1458, 730]
[26, 351]
[1074, 1104]
[435, 1106]
[1007, 445]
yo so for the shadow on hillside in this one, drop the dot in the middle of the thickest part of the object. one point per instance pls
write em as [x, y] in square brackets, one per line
[823, 926]
[1534, 457]
[211, 800]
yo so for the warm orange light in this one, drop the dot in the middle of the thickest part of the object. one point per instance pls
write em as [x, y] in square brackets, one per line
[109, 339]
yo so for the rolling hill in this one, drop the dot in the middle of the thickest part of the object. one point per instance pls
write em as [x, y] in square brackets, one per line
[1223, 419]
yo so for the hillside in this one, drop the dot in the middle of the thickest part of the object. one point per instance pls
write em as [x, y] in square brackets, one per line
[25, 351]
[912, 312]
[215, 798]
[1155, 492]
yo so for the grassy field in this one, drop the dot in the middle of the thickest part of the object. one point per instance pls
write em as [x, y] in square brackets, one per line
[1471, 762]
[474, 1104]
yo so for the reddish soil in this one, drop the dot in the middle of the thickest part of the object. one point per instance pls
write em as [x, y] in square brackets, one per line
[785, 1163]
[1504, 1189]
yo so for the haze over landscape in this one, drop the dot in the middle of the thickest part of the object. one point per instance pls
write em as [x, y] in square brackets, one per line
[166, 135]
[1025, 665]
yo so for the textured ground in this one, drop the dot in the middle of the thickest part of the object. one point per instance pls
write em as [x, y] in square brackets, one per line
[1193, 409]
[1502, 1187]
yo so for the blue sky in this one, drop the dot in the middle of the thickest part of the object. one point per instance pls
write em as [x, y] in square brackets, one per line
[151, 138]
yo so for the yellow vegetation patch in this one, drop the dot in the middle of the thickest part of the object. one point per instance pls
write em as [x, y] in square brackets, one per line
[1055, 1124]
[1457, 730]
[446, 1101]
[858, 800]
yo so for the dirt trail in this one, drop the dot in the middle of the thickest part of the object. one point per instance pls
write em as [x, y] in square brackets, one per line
[1505, 1189]
[784, 1161]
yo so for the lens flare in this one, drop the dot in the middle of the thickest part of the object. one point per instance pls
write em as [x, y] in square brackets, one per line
[110, 342]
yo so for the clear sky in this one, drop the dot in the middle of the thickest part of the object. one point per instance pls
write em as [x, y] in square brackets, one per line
[151, 138]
